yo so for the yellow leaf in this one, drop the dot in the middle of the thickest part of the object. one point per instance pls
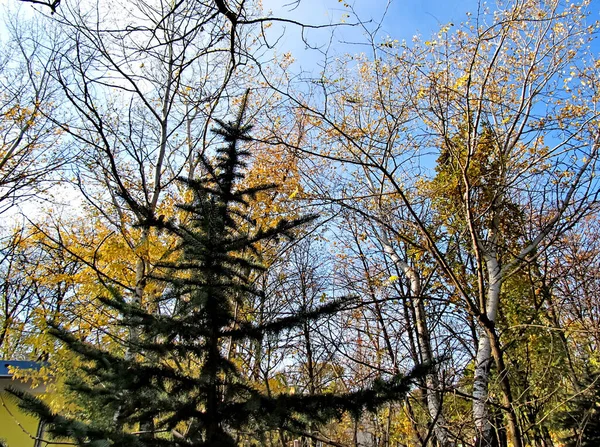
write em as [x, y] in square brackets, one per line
[461, 81]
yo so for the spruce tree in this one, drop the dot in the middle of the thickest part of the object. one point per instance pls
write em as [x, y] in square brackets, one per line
[581, 419]
[144, 387]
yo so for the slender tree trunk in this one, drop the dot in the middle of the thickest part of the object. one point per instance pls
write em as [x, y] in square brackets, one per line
[481, 418]
[483, 358]
[411, 416]
[555, 321]
[4, 330]
[507, 399]
[310, 363]
[434, 405]
[146, 427]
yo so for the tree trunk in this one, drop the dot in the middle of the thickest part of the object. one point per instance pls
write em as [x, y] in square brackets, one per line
[434, 405]
[488, 348]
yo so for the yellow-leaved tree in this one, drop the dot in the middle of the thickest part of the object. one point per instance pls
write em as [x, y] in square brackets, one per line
[467, 155]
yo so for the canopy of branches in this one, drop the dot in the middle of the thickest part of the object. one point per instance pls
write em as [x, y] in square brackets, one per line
[443, 290]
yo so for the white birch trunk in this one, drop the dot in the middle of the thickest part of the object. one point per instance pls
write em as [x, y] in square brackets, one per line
[484, 353]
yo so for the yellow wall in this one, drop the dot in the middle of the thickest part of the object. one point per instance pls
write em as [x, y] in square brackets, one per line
[18, 429]
[11, 416]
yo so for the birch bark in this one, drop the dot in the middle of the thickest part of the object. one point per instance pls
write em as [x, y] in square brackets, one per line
[432, 391]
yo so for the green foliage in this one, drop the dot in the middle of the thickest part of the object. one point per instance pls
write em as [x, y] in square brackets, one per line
[479, 162]
[582, 416]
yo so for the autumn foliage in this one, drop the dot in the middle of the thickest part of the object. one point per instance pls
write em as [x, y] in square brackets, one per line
[456, 183]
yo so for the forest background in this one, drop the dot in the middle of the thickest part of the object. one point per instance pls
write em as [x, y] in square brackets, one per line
[454, 174]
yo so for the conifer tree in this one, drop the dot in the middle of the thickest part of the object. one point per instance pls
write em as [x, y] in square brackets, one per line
[145, 386]
[582, 418]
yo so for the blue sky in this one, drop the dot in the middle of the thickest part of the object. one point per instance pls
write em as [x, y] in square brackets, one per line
[404, 17]
[402, 20]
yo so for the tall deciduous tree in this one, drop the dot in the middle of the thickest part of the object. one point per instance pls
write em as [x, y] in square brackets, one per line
[507, 105]
[31, 150]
